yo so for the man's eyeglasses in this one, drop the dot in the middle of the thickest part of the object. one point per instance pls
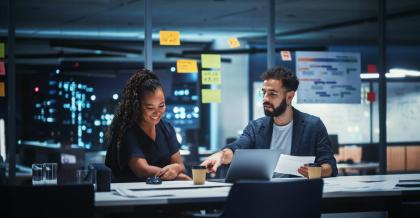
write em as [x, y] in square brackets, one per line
[270, 93]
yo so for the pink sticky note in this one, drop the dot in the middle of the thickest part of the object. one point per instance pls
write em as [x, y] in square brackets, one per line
[2, 68]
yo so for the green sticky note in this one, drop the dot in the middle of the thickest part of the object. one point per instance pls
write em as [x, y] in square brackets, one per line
[211, 77]
[211, 95]
[1, 50]
[210, 61]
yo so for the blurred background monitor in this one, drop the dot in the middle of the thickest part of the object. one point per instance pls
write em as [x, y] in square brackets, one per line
[74, 109]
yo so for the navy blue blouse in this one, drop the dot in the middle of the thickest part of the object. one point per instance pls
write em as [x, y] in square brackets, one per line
[136, 143]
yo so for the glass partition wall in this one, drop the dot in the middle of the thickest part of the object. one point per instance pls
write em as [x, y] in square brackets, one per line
[73, 59]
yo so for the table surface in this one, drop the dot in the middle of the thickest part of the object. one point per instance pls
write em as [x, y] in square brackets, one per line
[173, 192]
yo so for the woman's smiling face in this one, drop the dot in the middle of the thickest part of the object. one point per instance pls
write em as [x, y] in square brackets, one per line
[153, 107]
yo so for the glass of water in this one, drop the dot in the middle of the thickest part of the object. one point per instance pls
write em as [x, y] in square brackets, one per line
[50, 173]
[37, 177]
[86, 176]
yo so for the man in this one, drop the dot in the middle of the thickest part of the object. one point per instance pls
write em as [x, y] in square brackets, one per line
[283, 128]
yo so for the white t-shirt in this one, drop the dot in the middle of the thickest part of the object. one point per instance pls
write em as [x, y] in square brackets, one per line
[282, 138]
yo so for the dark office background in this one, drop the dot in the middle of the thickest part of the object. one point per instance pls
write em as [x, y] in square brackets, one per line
[98, 46]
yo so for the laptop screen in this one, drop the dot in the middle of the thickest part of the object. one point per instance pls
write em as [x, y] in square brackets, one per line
[252, 164]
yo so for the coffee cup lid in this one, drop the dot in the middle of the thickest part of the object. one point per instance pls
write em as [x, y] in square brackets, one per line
[313, 165]
[198, 167]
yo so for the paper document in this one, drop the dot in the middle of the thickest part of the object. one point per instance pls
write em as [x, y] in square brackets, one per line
[288, 164]
[140, 194]
[331, 185]
[167, 185]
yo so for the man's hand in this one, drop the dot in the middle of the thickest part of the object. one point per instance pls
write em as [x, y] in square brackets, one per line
[213, 162]
[304, 171]
[326, 170]
[169, 172]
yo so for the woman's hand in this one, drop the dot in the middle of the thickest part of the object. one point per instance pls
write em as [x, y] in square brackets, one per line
[169, 172]
[183, 176]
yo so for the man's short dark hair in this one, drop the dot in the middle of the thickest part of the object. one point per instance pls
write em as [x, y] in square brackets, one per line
[288, 78]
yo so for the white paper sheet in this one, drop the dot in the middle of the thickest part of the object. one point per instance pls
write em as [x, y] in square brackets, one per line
[137, 186]
[140, 194]
[288, 164]
[358, 186]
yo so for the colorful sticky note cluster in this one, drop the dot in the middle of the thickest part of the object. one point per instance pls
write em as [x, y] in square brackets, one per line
[2, 91]
[211, 77]
[233, 42]
[2, 70]
[211, 96]
[186, 66]
[169, 38]
[210, 61]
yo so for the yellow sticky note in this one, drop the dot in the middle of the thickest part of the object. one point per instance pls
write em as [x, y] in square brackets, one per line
[1, 50]
[169, 38]
[233, 42]
[2, 92]
[209, 77]
[211, 96]
[186, 66]
[210, 61]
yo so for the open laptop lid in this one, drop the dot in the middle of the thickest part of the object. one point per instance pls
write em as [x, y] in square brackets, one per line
[252, 164]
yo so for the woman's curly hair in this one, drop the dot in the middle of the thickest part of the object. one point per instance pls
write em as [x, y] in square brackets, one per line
[128, 111]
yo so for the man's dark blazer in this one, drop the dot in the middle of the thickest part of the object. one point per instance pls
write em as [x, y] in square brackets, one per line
[310, 138]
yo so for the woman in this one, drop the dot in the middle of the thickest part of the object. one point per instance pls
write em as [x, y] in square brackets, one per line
[141, 144]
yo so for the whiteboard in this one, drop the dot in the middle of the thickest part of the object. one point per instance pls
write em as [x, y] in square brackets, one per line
[328, 77]
[403, 112]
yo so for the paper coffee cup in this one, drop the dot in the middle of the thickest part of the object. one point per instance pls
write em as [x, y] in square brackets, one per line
[314, 170]
[199, 174]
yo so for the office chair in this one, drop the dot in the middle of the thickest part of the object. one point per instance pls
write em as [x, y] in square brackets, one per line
[47, 201]
[274, 199]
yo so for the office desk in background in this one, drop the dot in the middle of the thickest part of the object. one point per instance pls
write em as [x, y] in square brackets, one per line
[362, 168]
[341, 194]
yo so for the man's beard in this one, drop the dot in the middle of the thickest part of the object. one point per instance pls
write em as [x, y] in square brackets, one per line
[276, 111]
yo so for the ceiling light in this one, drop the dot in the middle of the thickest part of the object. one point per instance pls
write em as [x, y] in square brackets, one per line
[376, 75]
[395, 75]
[369, 76]
[398, 71]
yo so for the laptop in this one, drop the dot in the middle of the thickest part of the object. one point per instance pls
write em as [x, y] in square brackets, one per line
[252, 164]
